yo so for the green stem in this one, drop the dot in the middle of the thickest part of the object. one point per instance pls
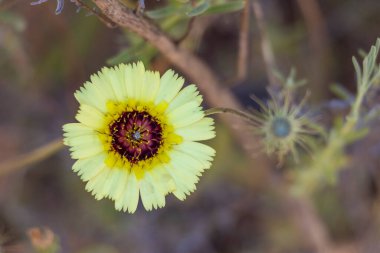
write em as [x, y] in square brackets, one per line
[239, 113]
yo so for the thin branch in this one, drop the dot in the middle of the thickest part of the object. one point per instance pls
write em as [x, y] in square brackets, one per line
[313, 16]
[242, 114]
[305, 216]
[242, 63]
[266, 48]
[319, 45]
[30, 158]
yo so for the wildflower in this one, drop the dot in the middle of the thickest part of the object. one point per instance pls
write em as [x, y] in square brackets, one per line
[138, 135]
[282, 126]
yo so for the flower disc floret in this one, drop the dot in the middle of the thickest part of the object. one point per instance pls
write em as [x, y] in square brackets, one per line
[136, 136]
[281, 127]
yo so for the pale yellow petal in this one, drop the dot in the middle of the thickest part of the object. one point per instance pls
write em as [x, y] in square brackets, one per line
[187, 94]
[186, 114]
[130, 195]
[129, 82]
[102, 87]
[76, 130]
[170, 85]
[90, 116]
[119, 181]
[91, 95]
[97, 184]
[86, 150]
[162, 177]
[150, 86]
[184, 175]
[83, 140]
[138, 79]
[152, 195]
[89, 167]
[181, 190]
[198, 151]
[96, 93]
[112, 182]
[115, 78]
[198, 131]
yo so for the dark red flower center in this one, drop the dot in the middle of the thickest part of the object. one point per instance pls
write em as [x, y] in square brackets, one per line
[136, 136]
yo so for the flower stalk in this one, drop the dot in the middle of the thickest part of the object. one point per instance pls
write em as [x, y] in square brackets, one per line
[242, 114]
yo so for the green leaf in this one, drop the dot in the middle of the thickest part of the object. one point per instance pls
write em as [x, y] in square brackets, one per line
[357, 71]
[164, 12]
[142, 51]
[341, 92]
[198, 10]
[230, 6]
[373, 114]
[356, 135]
[125, 55]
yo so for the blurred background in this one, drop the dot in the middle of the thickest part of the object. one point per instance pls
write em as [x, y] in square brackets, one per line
[45, 57]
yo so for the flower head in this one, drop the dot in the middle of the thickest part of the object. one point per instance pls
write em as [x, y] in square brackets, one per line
[138, 136]
[282, 126]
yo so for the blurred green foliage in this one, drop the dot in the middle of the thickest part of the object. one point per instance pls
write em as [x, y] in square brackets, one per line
[173, 19]
[330, 158]
[189, 9]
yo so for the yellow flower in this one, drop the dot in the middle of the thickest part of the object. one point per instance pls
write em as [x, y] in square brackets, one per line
[138, 135]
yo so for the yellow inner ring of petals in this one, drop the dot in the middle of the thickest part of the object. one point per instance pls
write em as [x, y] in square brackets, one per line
[169, 138]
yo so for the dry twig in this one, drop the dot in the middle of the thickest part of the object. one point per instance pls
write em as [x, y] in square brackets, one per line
[319, 45]
[242, 64]
[266, 48]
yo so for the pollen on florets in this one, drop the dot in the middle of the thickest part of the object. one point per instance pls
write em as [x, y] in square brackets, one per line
[136, 136]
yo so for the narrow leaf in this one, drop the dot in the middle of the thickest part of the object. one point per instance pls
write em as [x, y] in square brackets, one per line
[123, 56]
[164, 12]
[357, 71]
[199, 9]
[342, 92]
[226, 7]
